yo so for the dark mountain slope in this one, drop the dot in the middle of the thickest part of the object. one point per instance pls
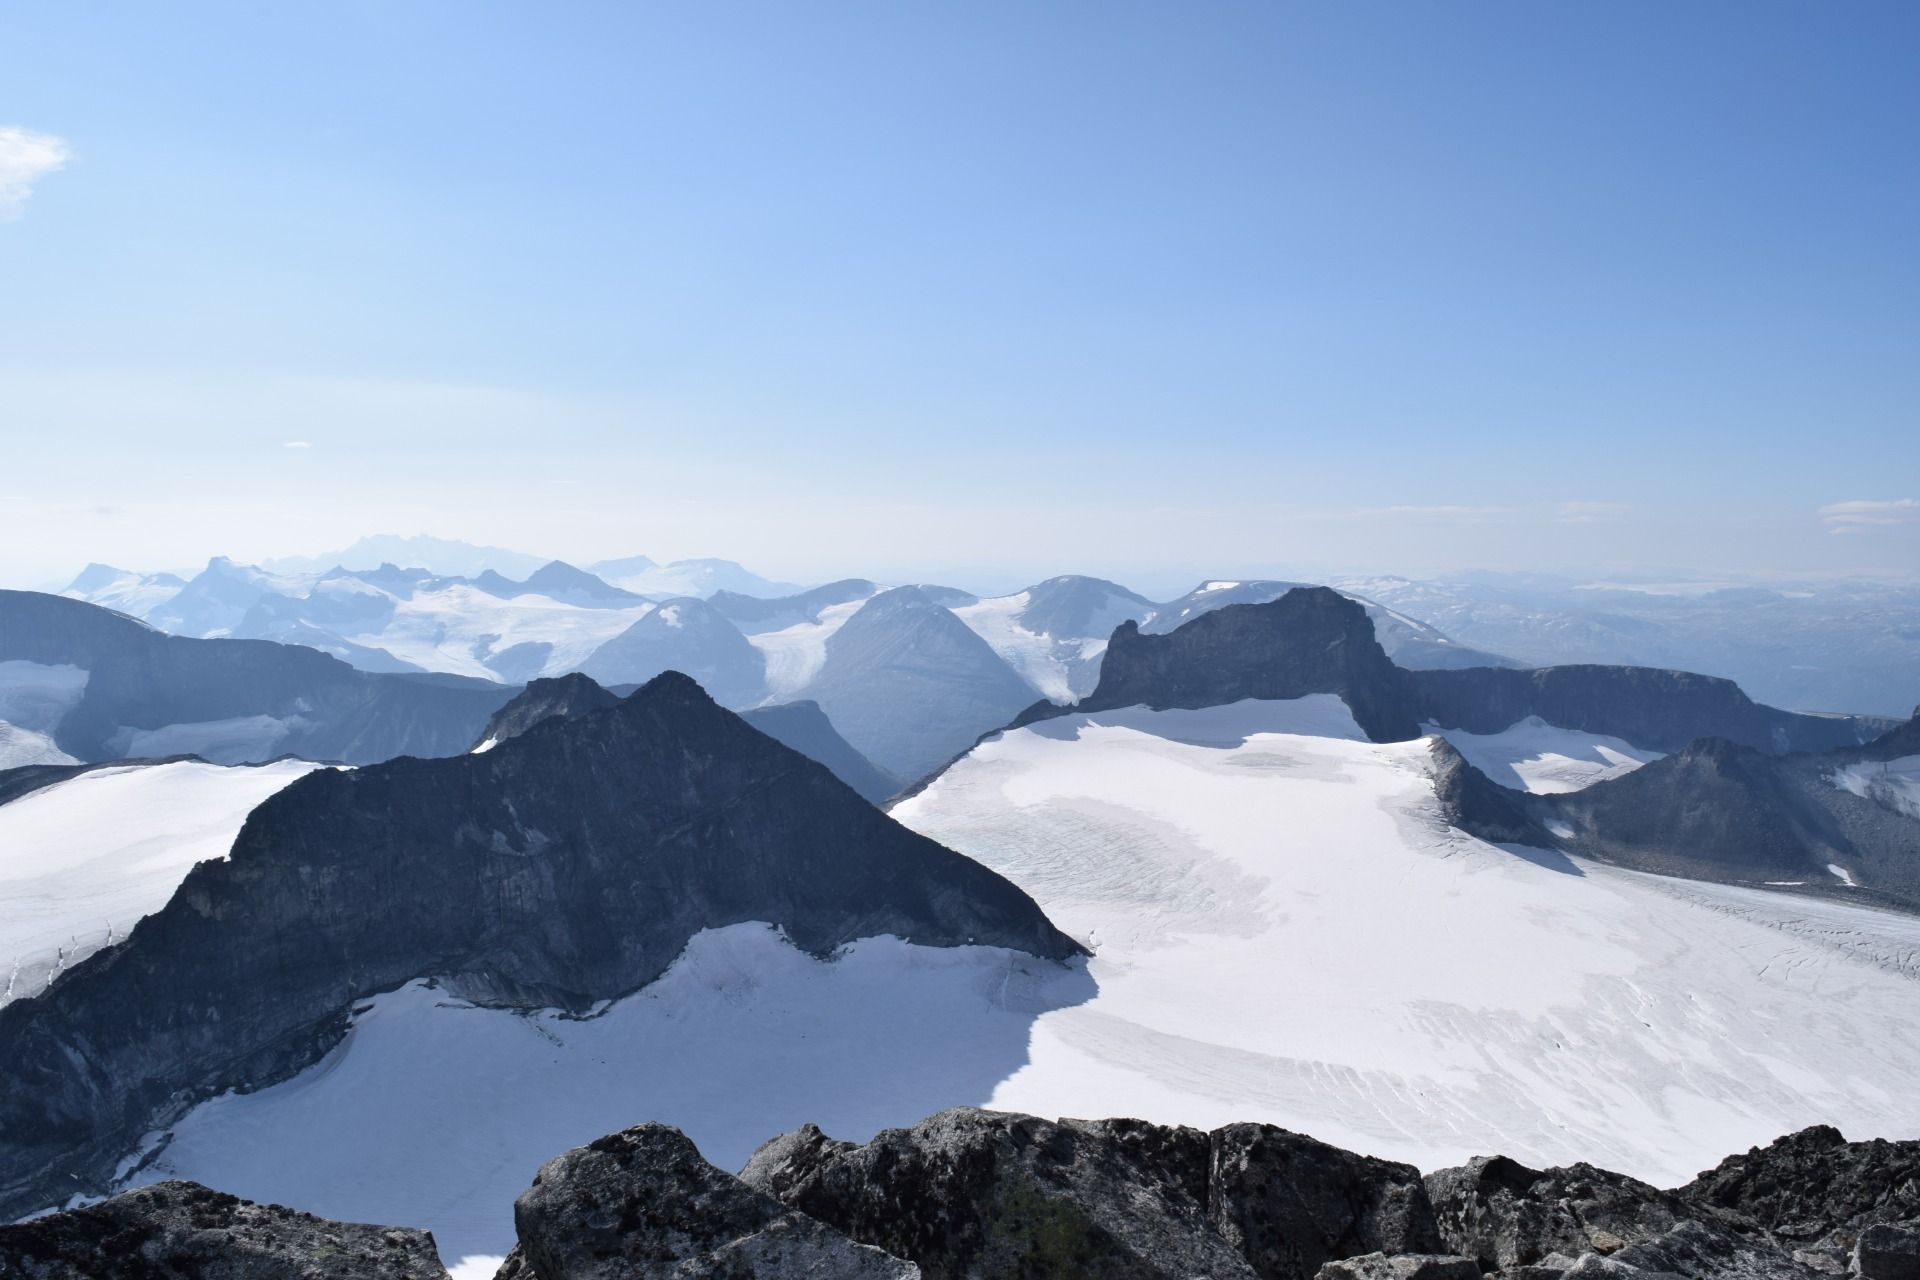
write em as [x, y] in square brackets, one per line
[567, 865]
[910, 686]
[806, 728]
[1647, 706]
[684, 635]
[1717, 810]
[143, 679]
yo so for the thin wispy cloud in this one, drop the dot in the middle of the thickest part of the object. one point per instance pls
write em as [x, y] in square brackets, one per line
[1867, 513]
[26, 156]
[1589, 512]
[296, 444]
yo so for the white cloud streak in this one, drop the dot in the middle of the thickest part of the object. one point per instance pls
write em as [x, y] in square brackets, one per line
[1865, 513]
[25, 158]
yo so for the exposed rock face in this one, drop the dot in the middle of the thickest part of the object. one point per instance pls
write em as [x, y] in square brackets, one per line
[1664, 710]
[543, 699]
[1887, 1253]
[1310, 640]
[643, 1202]
[805, 727]
[1720, 811]
[1478, 805]
[183, 1231]
[142, 679]
[1814, 1191]
[1405, 1266]
[566, 865]
[1540, 1222]
[970, 1193]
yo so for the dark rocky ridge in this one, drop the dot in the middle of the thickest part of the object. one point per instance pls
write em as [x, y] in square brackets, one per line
[799, 725]
[567, 865]
[1650, 707]
[571, 694]
[1310, 640]
[982, 1195]
[183, 1231]
[1721, 811]
[145, 679]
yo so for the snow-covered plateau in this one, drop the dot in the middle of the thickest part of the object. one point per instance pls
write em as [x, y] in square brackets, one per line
[1283, 929]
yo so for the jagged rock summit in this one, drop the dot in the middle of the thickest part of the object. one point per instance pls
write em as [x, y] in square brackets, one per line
[1310, 640]
[568, 865]
[542, 700]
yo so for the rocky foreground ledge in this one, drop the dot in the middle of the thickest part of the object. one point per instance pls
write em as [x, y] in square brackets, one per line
[983, 1195]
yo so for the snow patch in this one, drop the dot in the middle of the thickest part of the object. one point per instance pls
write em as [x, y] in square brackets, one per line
[1892, 784]
[239, 740]
[1841, 874]
[81, 861]
[20, 747]
[796, 650]
[1532, 755]
[36, 696]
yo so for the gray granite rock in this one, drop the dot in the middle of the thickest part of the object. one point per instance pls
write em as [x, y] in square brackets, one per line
[183, 1231]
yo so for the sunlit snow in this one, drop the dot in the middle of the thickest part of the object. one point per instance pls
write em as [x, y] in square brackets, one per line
[1532, 755]
[1284, 930]
[82, 860]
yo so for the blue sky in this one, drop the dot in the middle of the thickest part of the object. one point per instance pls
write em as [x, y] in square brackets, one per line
[984, 291]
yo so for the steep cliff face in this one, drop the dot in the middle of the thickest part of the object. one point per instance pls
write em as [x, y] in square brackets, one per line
[1310, 640]
[232, 701]
[1654, 708]
[566, 865]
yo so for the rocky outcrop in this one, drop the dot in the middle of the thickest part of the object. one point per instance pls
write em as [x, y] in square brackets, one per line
[1579, 1220]
[1650, 707]
[183, 1231]
[1815, 1193]
[1478, 805]
[304, 702]
[970, 1193]
[542, 700]
[1310, 640]
[567, 865]
[1404, 1266]
[653, 1207]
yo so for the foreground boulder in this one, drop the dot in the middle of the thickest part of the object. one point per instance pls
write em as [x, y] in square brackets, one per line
[183, 1231]
[643, 1203]
[970, 1193]
[1536, 1224]
[1816, 1194]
